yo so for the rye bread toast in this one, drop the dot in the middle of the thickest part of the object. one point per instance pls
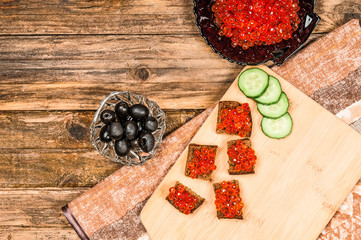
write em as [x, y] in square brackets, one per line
[231, 169]
[229, 104]
[190, 156]
[197, 204]
[219, 213]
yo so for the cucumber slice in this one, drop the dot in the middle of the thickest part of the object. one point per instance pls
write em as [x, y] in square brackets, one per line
[277, 128]
[275, 110]
[253, 82]
[272, 93]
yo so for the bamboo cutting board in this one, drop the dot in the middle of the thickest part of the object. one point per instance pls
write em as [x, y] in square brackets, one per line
[299, 183]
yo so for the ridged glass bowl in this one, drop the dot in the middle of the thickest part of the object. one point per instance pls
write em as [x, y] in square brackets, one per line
[257, 54]
[136, 156]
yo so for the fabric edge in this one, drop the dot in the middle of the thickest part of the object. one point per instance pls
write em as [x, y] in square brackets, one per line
[74, 223]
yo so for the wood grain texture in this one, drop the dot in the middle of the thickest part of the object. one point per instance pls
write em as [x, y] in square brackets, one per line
[97, 17]
[37, 233]
[51, 167]
[297, 179]
[335, 13]
[35, 207]
[58, 153]
[36, 213]
[131, 16]
[63, 129]
[45, 129]
[77, 72]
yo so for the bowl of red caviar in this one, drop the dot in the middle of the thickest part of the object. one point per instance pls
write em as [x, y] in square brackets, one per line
[252, 32]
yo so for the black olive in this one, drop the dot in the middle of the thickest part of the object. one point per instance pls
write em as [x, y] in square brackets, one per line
[134, 143]
[138, 111]
[107, 116]
[131, 130]
[146, 141]
[115, 130]
[121, 109]
[150, 124]
[122, 147]
[103, 135]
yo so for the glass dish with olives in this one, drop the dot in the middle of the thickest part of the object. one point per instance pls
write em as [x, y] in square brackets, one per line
[127, 128]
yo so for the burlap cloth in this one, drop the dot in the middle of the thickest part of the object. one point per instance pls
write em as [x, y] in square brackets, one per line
[328, 70]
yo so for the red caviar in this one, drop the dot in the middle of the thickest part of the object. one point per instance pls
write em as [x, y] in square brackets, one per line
[236, 121]
[228, 200]
[181, 198]
[243, 157]
[256, 22]
[202, 162]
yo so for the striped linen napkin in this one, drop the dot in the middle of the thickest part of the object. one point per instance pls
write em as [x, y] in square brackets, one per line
[328, 70]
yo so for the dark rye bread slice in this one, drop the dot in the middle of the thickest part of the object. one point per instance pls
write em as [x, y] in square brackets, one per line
[229, 104]
[199, 202]
[191, 149]
[219, 213]
[231, 169]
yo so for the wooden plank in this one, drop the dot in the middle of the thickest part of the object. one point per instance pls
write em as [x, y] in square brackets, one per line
[45, 130]
[49, 149]
[131, 17]
[76, 72]
[35, 207]
[36, 213]
[70, 76]
[100, 7]
[62, 129]
[88, 96]
[51, 167]
[97, 17]
[177, 118]
[298, 179]
[107, 52]
[38, 233]
[335, 13]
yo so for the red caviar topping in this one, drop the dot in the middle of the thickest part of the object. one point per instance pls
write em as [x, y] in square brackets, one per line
[182, 199]
[256, 22]
[236, 121]
[202, 163]
[196, 153]
[243, 157]
[228, 200]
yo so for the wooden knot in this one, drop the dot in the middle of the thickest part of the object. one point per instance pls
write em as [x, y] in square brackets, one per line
[77, 131]
[141, 73]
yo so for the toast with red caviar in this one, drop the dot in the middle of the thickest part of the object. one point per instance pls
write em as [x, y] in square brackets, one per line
[201, 161]
[234, 118]
[228, 202]
[241, 157]
[184, 199]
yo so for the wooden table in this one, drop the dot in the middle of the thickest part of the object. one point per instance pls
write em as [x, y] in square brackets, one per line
[59, 59]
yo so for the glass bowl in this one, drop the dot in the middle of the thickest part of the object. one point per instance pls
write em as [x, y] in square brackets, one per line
[257, 54]
[136, 156]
